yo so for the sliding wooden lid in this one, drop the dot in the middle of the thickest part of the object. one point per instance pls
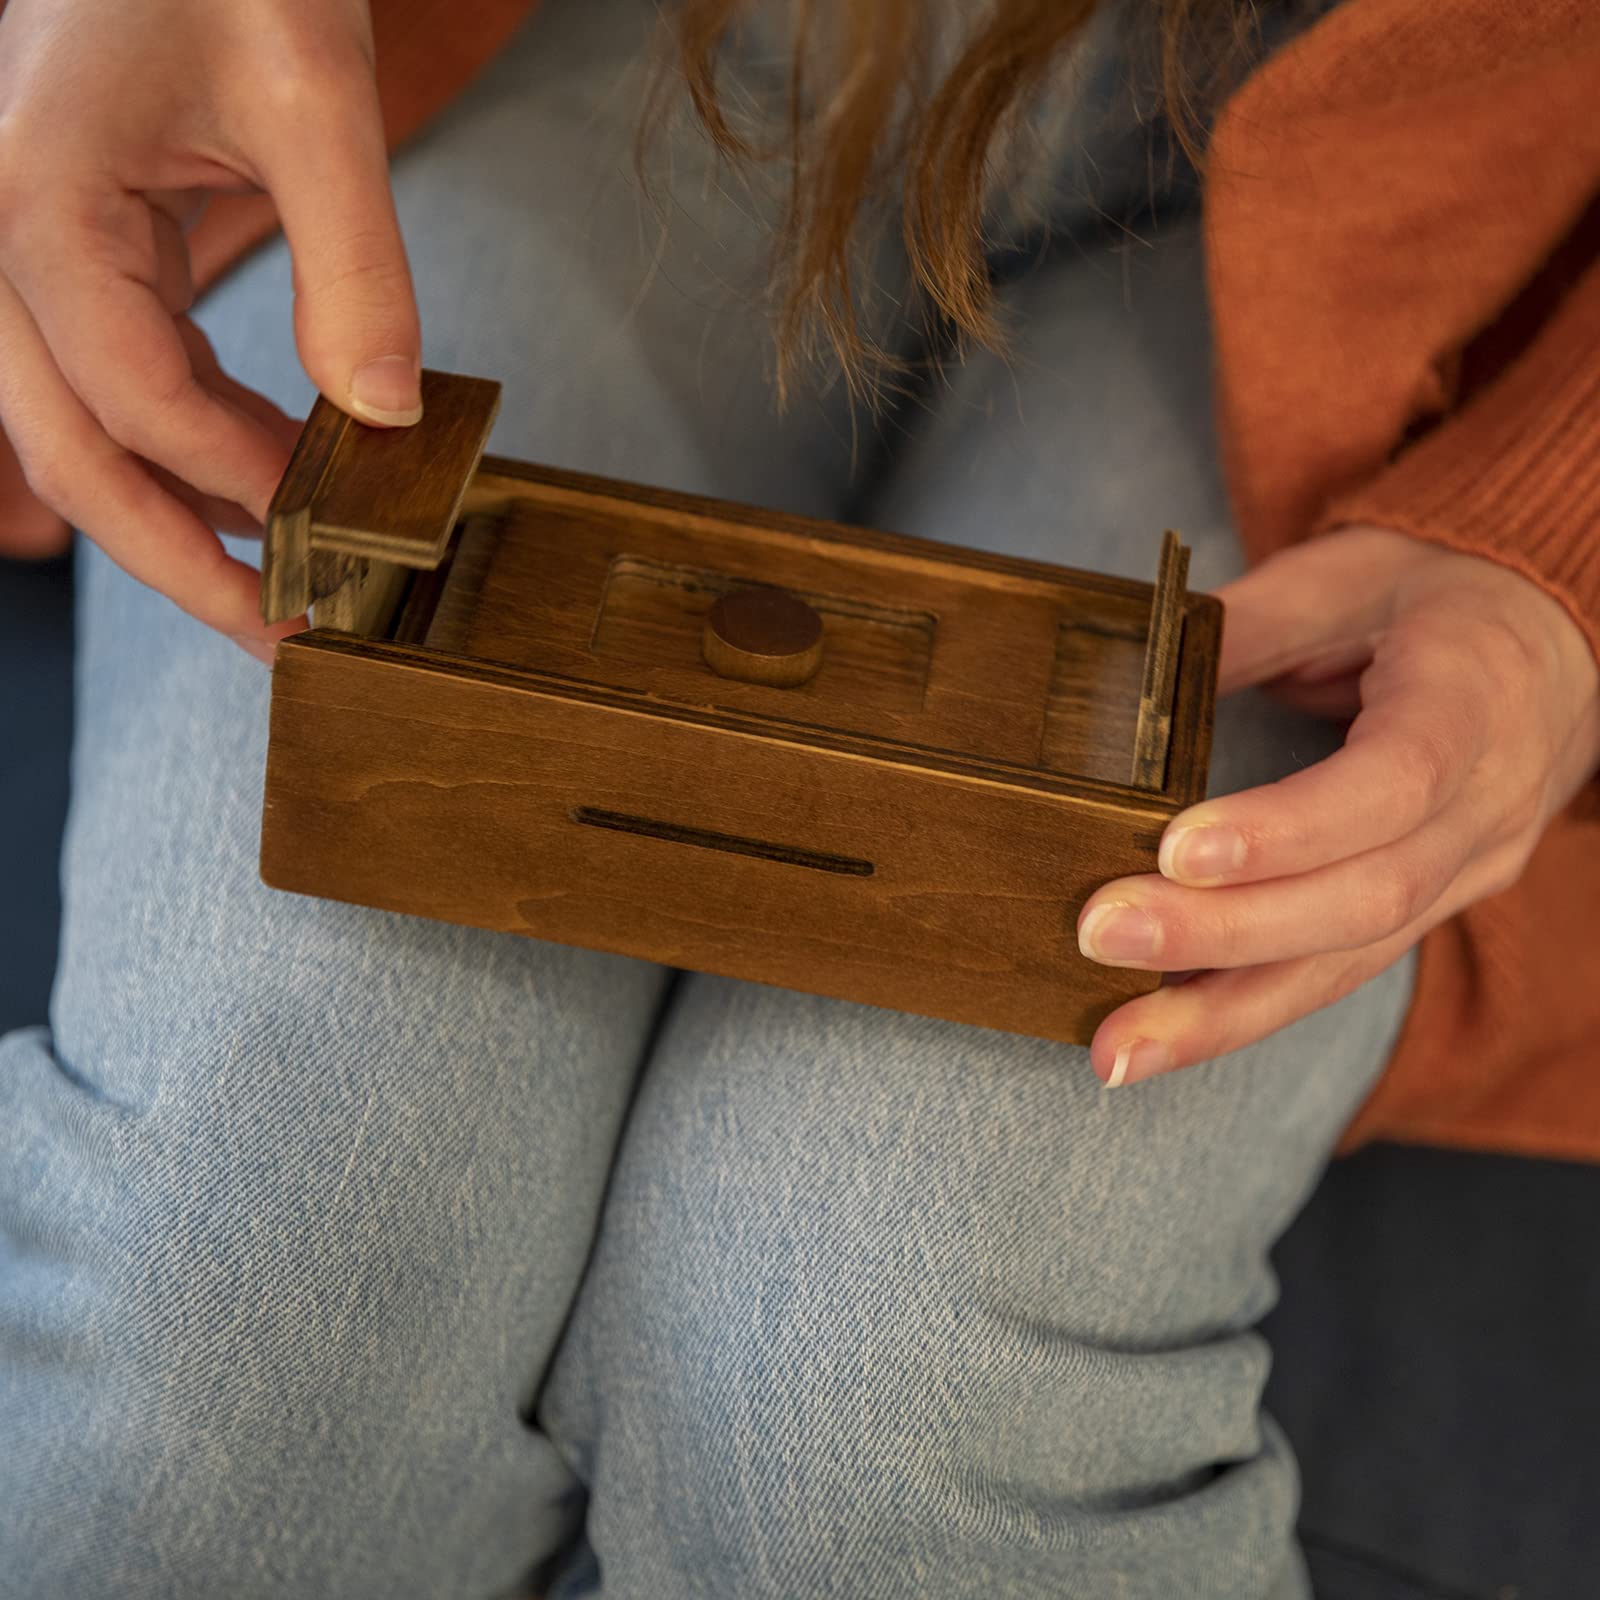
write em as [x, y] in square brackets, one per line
[385, 494]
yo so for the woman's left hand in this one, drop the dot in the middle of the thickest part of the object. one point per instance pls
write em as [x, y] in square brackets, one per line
[1475, 701]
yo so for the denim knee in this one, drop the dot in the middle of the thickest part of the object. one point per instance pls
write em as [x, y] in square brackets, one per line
[873, 1291]
[251, 1354]
[286, 1242]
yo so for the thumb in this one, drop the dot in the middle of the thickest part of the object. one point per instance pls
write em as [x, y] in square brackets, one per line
[1304, 611]
[355, 313]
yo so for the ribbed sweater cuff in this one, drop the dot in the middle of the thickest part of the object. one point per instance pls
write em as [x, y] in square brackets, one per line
[1515, 475]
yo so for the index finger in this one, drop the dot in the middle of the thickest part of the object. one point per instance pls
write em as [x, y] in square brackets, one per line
[94, 298]
[85, 476]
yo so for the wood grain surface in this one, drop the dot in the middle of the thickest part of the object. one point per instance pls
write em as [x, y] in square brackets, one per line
[532, 741]
[441, 789]
[353, 495]
[763, 635]
[1014, 661]
[1152, 734]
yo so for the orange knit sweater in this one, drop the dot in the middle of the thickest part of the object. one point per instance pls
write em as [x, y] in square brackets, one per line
[1403, 242]
[1404, 258]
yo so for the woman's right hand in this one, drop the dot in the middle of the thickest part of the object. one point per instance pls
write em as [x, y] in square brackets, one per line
[116, 121]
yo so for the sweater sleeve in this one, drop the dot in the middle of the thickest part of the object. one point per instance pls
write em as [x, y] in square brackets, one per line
[1384, 200]
[1514, 475]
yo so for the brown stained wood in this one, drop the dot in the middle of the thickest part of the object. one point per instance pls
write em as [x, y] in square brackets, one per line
[1195, 701]
[982, 644]
[502, 483]
[286, 589]
[1093, 704]
[389, 495]
[1153, 731]
[762, 635]
[395, 493]
[652, 615]
[421, 603]
[536, 743]
[432, 788]
[366, 601]
[724, 843]
[451, 623]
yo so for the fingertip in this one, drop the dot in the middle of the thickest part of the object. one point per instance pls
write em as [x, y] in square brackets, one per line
[1199, 853]
[1118, 1075]
[1121, 933]
[254, 644]
[387, 391]
[263, 642]
[1120, 1062]
[1167, 855]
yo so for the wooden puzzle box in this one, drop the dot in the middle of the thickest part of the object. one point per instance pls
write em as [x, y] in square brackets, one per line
[715, 737]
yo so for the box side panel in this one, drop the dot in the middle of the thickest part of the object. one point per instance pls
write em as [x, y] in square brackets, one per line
[1195, 702]
[438, 794]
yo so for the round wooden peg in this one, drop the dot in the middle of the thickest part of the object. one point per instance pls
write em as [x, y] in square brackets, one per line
[763, 636]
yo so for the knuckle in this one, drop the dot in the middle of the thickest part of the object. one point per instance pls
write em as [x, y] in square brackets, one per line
[312, 74]
[171, 389]
[1427, 769]
[1506, 656]
[1296, 835]
[1507, 865]
[1390, 900]
[1210, 935]
[137, 418]
[46, 476]
[304, 71]
[298, 90]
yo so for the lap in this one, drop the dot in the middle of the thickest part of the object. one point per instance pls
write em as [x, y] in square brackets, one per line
[947, 1304]
[936, 1284]
[296, 1197]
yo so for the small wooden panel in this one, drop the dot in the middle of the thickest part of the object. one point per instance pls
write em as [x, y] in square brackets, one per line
[441, 789]
[367, 599]
[286, 580]
[395, 493]
[450, 625]
[1093, 705]
[355, 493]
[1153, 731]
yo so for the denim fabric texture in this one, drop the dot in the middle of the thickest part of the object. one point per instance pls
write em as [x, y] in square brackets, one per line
[353, 1256]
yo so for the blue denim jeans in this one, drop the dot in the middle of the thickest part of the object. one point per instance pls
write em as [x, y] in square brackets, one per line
[353, 1256]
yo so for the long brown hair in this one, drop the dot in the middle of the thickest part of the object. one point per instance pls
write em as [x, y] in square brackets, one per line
[874, 123]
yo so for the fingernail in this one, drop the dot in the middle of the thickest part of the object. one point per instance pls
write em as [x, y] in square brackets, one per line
[1120, 935]
[261, 649]
[1139, 1058]
[387, 391]
[1200, 854]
